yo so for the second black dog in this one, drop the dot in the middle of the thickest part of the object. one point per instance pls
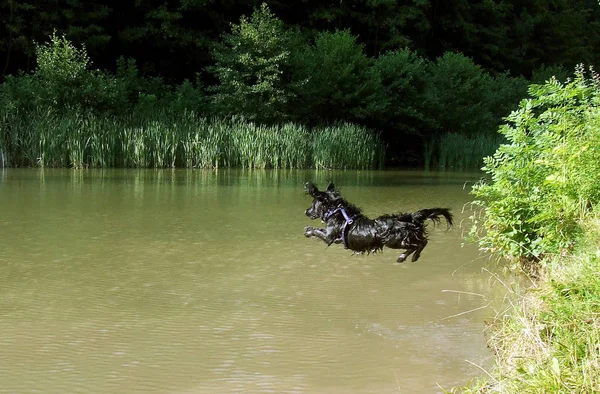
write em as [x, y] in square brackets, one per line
[347, 225]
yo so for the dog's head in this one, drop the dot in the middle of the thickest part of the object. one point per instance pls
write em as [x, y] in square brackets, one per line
[323, 201]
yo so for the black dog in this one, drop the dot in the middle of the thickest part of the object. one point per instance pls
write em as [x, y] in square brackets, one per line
[346, 224]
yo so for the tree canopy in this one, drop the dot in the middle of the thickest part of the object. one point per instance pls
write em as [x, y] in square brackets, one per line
[172, 39]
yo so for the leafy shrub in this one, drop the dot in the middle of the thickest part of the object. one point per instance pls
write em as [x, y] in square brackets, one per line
[548, 174]
[60, 62]
[66, 81]
[61, 81]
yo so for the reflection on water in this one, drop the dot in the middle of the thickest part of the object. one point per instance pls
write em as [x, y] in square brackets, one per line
[183, 281]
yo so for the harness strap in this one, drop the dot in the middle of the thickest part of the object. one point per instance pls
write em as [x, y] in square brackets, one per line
[348, 221]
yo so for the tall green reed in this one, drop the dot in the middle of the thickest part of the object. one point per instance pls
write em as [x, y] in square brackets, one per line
[165, 139]
[458, 151]
[3, 136]
[346, 146]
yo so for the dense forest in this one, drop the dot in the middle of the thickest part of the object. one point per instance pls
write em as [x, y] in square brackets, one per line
[422, 73]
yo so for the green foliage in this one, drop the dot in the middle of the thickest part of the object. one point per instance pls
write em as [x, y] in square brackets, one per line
[250, 66]
[141, 91]
[62, 81]
[504, 94]
[548, 174]
[188, 97]
[381, 24]
[62, 73]
[59, 61]
[500, 35]
[548, 30]
[19, 93]
[461, 99]
[333, 80]
[26, 21]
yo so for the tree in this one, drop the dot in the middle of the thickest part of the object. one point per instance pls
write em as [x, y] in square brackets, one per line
[457, 96]
[397, 100]
[380, 25]
[250, 64]
[333, 80]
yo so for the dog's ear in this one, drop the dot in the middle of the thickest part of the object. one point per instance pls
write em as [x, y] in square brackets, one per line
[311, 189]
[332, 192]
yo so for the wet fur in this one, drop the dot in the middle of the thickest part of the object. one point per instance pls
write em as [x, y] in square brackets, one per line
[397, 231]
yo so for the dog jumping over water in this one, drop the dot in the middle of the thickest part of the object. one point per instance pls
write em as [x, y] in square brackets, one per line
[346, 224]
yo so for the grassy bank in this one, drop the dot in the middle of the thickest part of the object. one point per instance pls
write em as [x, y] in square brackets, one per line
[165, 139]
[548, 341]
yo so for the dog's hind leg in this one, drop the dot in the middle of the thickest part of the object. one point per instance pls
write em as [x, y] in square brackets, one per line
[407, 253]
[419, 250]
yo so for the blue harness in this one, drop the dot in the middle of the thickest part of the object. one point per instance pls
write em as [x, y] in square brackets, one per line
[348, 221]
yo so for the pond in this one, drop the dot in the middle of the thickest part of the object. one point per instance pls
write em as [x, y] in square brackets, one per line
[190, 281]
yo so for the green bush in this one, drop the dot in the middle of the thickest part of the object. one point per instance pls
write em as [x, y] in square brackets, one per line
[65, 81]
[503, 95]
[548, 174]
[62, 81]
[460, 109]
[59, 62]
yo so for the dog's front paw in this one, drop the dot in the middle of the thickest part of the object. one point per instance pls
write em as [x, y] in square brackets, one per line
[308, 231]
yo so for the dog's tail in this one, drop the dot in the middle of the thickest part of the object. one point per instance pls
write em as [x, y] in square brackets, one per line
[435, 214]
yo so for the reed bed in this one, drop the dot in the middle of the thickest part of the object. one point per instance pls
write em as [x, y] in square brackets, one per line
[346, 146]
[3, 156]
[457, 151]
[49, 139]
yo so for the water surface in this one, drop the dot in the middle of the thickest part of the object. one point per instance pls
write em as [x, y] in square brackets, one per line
[181, 281]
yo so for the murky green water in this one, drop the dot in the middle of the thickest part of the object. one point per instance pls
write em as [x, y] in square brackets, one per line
[125, 281]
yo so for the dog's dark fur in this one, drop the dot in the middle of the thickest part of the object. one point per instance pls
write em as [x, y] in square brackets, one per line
[399, 231]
